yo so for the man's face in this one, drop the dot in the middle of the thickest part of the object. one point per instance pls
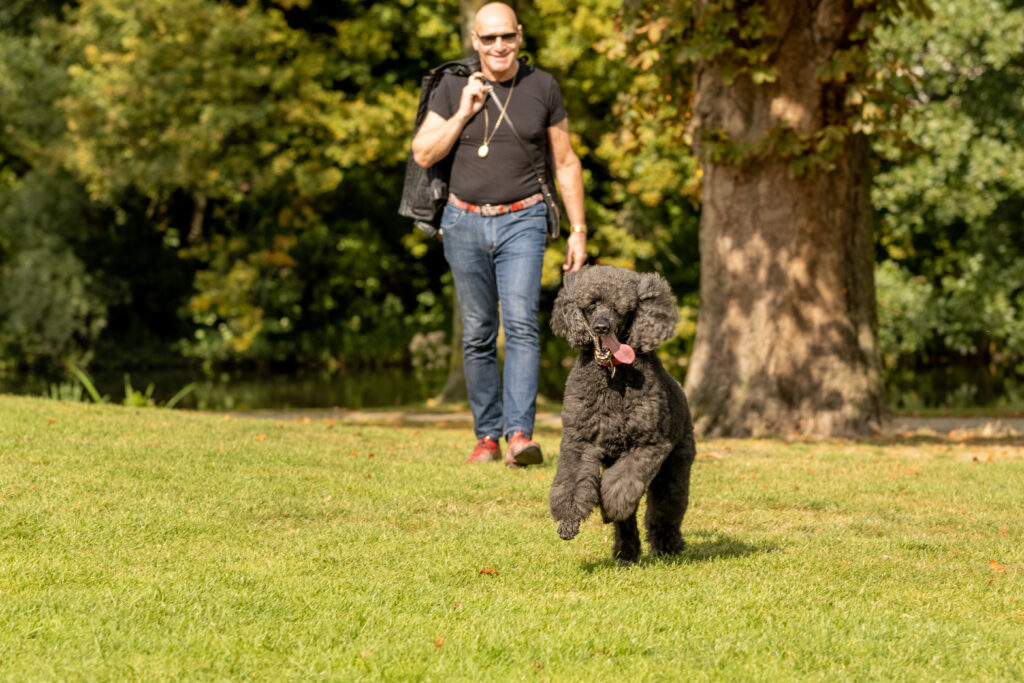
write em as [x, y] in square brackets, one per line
[496, 39]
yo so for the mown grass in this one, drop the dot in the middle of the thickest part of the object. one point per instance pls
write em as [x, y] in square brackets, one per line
[154, 545]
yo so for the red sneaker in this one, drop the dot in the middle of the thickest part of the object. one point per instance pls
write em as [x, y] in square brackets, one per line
[486, 450]
[522, 451]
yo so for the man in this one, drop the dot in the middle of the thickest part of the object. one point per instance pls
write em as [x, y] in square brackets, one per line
[494, 226]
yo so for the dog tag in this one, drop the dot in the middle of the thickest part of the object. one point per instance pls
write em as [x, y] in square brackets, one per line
[482, 152]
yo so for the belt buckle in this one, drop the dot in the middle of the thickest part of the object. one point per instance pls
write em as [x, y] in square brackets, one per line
[490, 210]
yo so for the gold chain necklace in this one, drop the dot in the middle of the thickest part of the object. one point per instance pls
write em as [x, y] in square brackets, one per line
[485, 148]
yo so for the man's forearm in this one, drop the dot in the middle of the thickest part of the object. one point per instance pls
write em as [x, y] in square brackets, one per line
[570, 185]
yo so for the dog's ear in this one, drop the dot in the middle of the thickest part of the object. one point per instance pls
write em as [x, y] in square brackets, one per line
[566, 318]
[656, 313]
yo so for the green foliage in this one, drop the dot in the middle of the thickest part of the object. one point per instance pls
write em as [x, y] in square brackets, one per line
[640, 175]
[51, 306]
[952, 202]
[65, 391]
[205, 97]
[218, 180]
[669, 41]
[22, 16]
[133, 398]
[86, 381]
[268, 156]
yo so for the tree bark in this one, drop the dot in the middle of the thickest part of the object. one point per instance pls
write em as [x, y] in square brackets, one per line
[454, 389]
[787, 330]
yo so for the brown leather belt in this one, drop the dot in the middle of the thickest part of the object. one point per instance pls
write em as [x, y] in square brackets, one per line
[496, 209]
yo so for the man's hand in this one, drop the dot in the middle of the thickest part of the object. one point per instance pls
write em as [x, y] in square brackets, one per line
[437, 135]
[474, 94]
[575, 252]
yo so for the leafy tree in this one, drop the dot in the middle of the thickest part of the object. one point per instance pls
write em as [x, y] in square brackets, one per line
[282, 143]
[50, 304]
[783, 95]
[951, 200]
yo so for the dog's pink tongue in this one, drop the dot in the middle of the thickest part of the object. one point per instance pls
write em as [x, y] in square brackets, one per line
[622, 352]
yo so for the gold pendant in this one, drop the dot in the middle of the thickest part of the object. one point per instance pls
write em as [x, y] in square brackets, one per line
[482, 152]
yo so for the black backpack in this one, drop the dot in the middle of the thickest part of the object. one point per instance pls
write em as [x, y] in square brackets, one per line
[426, 189]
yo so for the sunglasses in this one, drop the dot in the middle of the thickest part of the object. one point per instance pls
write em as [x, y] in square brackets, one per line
[505, 37]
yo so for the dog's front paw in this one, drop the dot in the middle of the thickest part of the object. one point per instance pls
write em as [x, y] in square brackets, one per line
[568, 528]
[620, 494]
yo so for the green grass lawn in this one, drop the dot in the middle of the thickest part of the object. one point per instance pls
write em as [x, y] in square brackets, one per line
[151, 544]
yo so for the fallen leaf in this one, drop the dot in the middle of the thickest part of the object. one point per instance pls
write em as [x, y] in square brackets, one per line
[458, 603]
[489, 570]
[365, 654]
[991, 457]
[605, 651]
[996, 567]
[355, 452]
[1004, 532]
[261, 437]
[226, 418]
[51, 421]
[542, 475]
[439, 642]
[913, 470]
[328, 499]
[306, 420]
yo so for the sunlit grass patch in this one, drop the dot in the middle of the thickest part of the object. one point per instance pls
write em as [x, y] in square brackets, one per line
[151, 544]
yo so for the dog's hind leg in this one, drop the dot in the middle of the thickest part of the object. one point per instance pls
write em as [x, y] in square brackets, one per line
[627, 542]
[667, 500]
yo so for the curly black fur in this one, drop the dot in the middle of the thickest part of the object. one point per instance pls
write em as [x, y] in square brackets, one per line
[624, 432]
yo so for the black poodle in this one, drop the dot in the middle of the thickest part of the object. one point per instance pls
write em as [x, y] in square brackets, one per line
[626, 425]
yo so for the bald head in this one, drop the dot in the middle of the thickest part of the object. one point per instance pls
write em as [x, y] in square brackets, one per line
[494, 12]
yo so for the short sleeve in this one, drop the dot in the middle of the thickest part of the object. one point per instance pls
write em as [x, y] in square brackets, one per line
[556, 107]
[441, 100]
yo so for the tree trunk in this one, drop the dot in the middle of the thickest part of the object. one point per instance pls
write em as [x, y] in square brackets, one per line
[787, 329]
[454, 389]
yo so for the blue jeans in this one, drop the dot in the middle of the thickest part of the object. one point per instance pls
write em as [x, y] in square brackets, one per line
[498, 259]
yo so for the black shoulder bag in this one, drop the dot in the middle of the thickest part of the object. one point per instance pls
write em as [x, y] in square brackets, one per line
[425, 190]
[554, 216]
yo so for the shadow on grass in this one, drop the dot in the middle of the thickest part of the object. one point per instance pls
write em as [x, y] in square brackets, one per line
[701, 546]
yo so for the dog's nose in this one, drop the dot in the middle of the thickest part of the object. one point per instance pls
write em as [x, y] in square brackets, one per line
[601, 327]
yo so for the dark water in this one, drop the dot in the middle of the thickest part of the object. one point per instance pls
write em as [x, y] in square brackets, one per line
[954, 387]
[250, 391]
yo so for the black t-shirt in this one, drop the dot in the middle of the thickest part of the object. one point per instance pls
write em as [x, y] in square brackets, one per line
[506, 174]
